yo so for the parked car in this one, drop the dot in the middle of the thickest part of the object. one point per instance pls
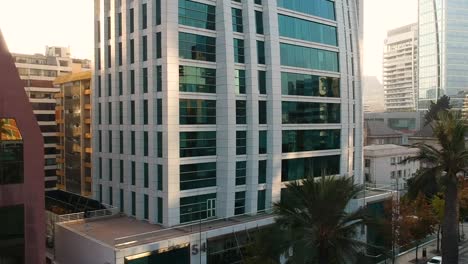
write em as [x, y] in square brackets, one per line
[435, 260]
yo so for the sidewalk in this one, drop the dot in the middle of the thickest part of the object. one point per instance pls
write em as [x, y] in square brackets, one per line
[409, 256]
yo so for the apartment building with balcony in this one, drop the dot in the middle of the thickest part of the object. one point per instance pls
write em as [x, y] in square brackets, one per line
[400, 69]
[38, 71]
[73, 116]
[203, 112]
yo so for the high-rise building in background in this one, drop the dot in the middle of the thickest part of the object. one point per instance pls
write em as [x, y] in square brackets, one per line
[443, 51]
[373, 95]
[73, 115]
[400, 69]
[38, 73]
[207, 115]
[22, 227]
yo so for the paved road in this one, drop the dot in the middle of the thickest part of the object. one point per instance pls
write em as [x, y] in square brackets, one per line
[463, 258]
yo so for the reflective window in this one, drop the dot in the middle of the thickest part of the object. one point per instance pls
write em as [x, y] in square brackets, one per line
[239, 81]
[297, 28]
[202, 143]
[321, 8]
[197, 80]
[262, 82]
[239, 56]
[309, 85]
[310, 113]
[197, 47]
[262, 167]
[241, 172]
[261, 52]
[237, 20]
[145, 80]
[159, 144]
[261, 200]
[11, 152]
[158, 45]
[262, 142]
[309, 140]
[259, 22]
[201, 175]
[196, 14]
[262, 112]
[296, 169]
[239, 203]
[12, 234]
[197, 207]
[241, 142]
[241, 112]
[309, 58]
[192, 111]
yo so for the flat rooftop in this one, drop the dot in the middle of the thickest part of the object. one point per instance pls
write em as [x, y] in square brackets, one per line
[123, 231]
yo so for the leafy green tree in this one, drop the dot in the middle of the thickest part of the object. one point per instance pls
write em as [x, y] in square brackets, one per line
[447, 162]
[314, 224]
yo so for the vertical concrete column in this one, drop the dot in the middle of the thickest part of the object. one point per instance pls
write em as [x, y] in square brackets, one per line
[346, 112]
[225, 111]
[170, 101]
[273, 82]
[251, 64]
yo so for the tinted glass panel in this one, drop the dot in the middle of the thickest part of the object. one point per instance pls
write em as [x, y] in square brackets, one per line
[309, 85]
[197, 47]
[197, 80]
[197, 144]
[196, 14]
[309, 58]
[295, 169]
[321, 8]
[297, 28]
[192, 111]
[309, 140]
[310, 113]
[199, 175]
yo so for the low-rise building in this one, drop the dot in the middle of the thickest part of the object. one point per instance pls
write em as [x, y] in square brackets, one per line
[378, 133]
[385, 165]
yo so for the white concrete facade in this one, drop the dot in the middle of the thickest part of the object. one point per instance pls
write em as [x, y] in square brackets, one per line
[350, 126]
[384, 166]
[400, 69]
[38, 73]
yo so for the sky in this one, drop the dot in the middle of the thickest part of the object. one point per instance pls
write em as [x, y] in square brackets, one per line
[69, 23]
[30, 25]
[379, 17]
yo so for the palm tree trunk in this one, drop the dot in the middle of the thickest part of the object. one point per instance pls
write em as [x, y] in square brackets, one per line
[450, 223]
[417, 247]
[438, 239]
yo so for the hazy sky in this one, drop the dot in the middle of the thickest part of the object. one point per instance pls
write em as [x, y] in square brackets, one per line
[379, 17]
[30, 25]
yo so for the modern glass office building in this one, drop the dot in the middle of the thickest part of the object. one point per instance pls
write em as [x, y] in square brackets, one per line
[443, 51]
[205, 109]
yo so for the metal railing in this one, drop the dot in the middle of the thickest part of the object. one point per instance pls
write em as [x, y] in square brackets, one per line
[111, 211]
[192, 227]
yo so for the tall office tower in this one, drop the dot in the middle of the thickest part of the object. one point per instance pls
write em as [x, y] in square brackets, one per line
[73, 115]
[400, 69]
[206, 109]
[443, 50]
[22, 228]
[38, 73]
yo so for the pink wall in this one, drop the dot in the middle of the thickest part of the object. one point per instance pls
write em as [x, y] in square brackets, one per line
[14, 103]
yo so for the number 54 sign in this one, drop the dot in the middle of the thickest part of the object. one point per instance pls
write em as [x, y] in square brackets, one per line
[196, 249]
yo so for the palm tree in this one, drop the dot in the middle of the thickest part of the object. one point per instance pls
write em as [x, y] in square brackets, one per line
[314, 223]
[446, 162]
